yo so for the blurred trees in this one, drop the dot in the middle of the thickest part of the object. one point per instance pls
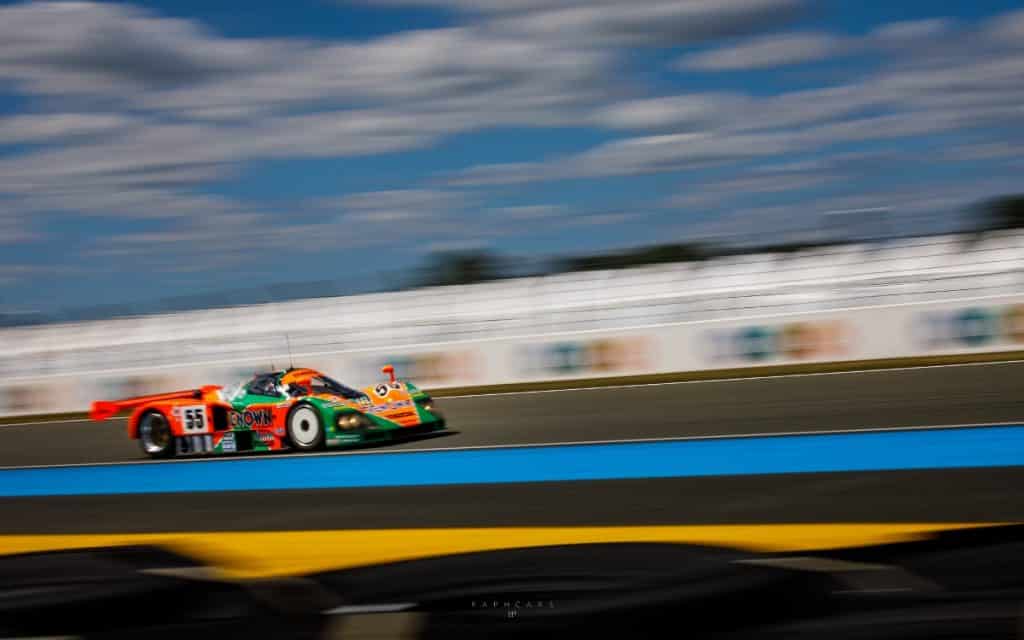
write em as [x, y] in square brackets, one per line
[455, 268]
[658, 254]
[1004, 212]
[460, 267]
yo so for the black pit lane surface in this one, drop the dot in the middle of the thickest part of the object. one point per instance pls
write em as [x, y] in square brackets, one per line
[910, 397]
[945, 496]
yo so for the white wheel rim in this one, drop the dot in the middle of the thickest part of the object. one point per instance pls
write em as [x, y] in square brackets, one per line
[304, 426]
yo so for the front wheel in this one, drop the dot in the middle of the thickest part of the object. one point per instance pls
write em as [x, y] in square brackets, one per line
[305, 430]
[155, 437]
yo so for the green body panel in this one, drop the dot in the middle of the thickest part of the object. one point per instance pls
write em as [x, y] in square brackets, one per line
[329, 412]
[380, 435]
[381, 429]
[250, 399]
[239, 405]
[258, 446]
[425, 416]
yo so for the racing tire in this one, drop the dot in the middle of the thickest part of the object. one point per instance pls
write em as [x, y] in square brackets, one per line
[155, 436]
[305, 428]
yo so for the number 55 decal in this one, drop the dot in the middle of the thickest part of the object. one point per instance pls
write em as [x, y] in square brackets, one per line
[194, 419]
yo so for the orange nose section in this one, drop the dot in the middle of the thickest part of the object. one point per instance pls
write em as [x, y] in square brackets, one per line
[406, 417]
[392, 401]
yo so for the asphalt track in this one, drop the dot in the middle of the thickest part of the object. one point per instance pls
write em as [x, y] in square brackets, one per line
[898, 398]
[971, 394]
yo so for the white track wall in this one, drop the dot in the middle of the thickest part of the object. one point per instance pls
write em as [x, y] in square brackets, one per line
[994, 323]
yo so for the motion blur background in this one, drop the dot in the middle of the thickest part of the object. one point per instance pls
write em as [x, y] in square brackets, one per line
[491, 191]
[515, 196]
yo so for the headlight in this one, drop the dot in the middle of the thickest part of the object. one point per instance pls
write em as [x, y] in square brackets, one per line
[351, 421]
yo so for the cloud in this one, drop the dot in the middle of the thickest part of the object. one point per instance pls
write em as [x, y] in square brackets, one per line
[630, 156]
[230, 239]
[141, 60]
[14, 231]
[406, 207]
[57, 47]
[481, 6]
[766, 52]
[911, 31]
[523, 213]
[604, 219]
[455, 246]
[1001, 149]
[896, 125]
[184, 107]
[423, 70]
[791, 179]
[651, 22]
[768, 184]
[543, 219]
[56, 126]
[615, 23]
[1008, 28]
[740, 112]
[785, 49]
[496, 174]
[676, 112]
[15, 273]
[202, 105]
[938, 204]
[930, 91]
[669, 152]
[895, 208]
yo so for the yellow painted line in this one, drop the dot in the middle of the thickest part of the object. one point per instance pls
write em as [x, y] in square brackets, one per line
[259, 554]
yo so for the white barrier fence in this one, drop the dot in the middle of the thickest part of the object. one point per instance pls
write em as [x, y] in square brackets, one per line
[917, 270]
[978, 325]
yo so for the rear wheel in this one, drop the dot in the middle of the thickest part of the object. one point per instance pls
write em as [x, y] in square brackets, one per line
[305, 429]
[155, 437]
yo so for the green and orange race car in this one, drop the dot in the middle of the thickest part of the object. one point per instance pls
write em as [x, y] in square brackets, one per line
[300, 409]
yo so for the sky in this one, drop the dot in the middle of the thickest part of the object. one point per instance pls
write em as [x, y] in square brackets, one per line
[174, 147]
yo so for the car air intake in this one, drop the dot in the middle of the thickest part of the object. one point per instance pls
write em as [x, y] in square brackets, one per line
[243, 440]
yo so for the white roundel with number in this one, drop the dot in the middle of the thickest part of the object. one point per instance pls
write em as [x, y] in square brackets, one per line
[193, 419]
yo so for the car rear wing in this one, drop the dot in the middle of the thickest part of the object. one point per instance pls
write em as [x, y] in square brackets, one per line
[103, 409]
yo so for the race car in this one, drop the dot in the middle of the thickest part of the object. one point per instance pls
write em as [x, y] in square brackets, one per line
[299, 409]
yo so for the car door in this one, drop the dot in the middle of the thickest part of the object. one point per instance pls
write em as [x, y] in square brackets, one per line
[254, 410]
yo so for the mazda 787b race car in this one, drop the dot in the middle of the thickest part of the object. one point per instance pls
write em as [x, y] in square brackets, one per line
[299, 409]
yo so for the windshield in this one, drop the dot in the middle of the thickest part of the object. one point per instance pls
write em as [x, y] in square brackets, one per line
[264, 385]
[232, 391]
[323, 384]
